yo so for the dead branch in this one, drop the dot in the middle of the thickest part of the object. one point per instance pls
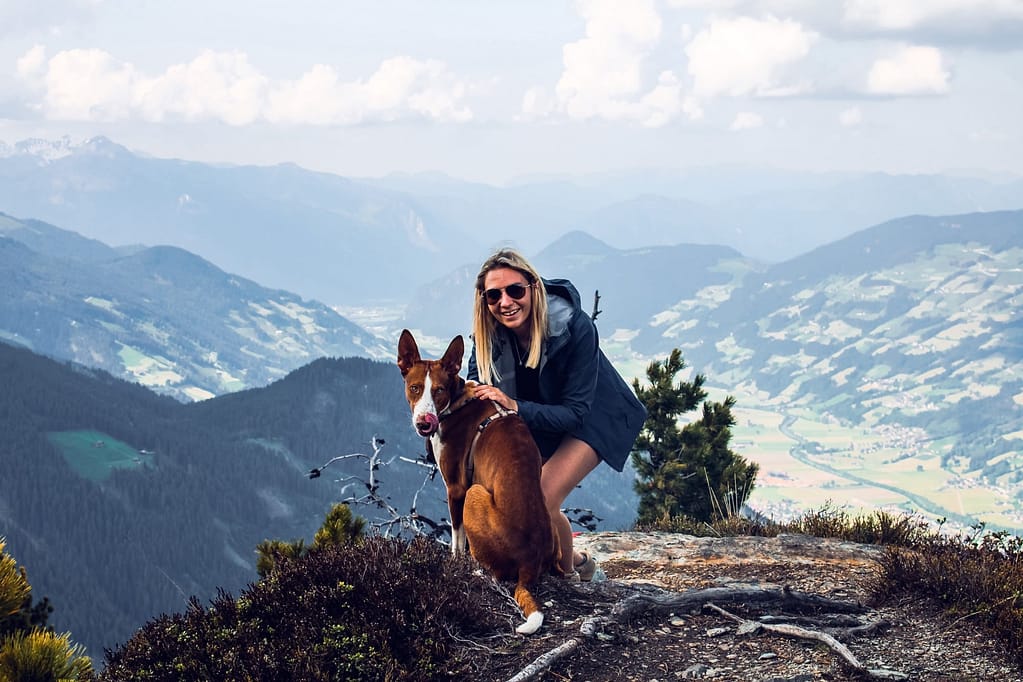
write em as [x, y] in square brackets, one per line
[544, 661]
[842, 627]
[656, 601]
[693, 600]
[749, 627]
[395, 522]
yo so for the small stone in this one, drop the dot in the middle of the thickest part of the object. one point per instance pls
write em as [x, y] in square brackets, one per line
[768, 656]
[695, 671]
[678, 622]
[717, 632]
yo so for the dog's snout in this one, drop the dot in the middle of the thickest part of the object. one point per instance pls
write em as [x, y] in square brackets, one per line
[426, 424]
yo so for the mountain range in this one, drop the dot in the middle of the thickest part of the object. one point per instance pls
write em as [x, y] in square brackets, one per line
[347, 241]
[122, 504]
[123, 270]
[159, 315]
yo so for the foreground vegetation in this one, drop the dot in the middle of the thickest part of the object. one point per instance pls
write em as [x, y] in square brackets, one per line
[976, 574]
[355, 607]
[397, 609]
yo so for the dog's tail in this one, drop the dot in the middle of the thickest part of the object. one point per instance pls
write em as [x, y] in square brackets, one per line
[527, 602]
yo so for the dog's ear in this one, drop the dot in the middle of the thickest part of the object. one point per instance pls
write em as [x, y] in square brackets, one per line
[452, 360]
[408, 352]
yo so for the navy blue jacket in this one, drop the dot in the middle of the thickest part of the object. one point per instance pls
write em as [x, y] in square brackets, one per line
[581, 393]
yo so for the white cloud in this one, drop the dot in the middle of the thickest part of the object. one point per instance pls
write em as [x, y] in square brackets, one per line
[747, 120]
[745, 56]
[850, 118]
[913, 70]
[222, 86]
[603, 72]
[894, 15]
[92, 85]
[32, 65]
[84, 85]
[537, 103]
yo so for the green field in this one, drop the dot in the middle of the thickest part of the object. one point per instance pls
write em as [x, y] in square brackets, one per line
[95, 455]
[807, 462]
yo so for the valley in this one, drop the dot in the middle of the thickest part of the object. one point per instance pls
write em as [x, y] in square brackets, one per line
[810, 459]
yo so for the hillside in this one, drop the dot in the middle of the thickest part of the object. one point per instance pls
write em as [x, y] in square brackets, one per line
[159, 315]
[885, 369]
[320, 235]
[328, 237]
[115, 539]
[123, 504]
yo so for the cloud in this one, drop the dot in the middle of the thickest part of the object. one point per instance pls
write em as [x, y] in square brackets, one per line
[983, 23]
[908, 14]
[850, 118]
[400, 87]
[745, 56]
[92, 85]
[913, 70]
[603, 74]
[747, 120]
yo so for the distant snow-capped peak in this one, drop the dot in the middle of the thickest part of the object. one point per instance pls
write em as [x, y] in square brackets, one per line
[48, 150]
[51, 150]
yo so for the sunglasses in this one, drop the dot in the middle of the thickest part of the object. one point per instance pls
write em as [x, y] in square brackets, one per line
[514, 291]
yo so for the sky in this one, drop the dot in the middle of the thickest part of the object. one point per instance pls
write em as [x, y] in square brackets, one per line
[494, 90]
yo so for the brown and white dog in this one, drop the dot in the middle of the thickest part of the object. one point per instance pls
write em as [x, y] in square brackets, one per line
[491, 467]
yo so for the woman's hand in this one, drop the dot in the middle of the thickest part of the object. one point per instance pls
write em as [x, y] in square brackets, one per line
[486, 392]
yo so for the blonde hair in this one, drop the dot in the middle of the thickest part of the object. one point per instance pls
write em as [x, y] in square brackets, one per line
[485, 327]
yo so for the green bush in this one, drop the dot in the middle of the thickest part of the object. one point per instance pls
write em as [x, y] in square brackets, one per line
[380, 609]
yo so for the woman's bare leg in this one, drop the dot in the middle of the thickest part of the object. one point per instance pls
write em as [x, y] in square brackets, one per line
[566, 468]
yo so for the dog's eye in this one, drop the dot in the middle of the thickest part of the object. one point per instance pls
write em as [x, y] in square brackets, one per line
[415, 389]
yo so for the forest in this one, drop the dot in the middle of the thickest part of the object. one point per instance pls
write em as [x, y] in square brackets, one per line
[224, 475]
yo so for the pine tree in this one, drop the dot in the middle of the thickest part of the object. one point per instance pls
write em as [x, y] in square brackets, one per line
[686, 471]
[29, 652]
[340, 527]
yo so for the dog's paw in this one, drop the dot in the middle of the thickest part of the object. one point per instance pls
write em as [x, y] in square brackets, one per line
[532, 624]
[470, 388]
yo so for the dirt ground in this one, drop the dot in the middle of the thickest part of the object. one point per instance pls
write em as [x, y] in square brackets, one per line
[913, 640]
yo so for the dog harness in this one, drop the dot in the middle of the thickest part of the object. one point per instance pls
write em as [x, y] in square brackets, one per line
[501, 412]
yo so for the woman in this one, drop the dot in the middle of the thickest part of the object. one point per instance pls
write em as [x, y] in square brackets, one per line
[536, 352]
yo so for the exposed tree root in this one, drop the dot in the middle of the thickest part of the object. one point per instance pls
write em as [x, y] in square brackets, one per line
[747, 627]
[656, 601]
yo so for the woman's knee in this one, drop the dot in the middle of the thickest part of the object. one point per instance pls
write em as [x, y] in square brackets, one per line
[565, 469]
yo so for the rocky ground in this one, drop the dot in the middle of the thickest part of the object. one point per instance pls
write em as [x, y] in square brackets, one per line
[913, 639]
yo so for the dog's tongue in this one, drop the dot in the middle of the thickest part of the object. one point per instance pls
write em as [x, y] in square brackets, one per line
[427, 424]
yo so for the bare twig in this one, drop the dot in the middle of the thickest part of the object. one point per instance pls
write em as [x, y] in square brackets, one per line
[541, 663]
[395, 522]
[661, 601]
[748, 627]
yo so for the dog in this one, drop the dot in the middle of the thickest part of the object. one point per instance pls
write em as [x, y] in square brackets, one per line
[491, 468]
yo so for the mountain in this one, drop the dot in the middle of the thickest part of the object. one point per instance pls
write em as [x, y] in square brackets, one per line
[350, 241]
[317, 234]
[890, 361]
[159, 315]
[122, 503]
[634, 285]
[767, 214]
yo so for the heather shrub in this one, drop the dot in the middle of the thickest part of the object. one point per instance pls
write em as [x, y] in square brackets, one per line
[977, 576]
[382, 609]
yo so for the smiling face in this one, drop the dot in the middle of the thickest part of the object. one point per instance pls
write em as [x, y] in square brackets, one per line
[513, 314]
